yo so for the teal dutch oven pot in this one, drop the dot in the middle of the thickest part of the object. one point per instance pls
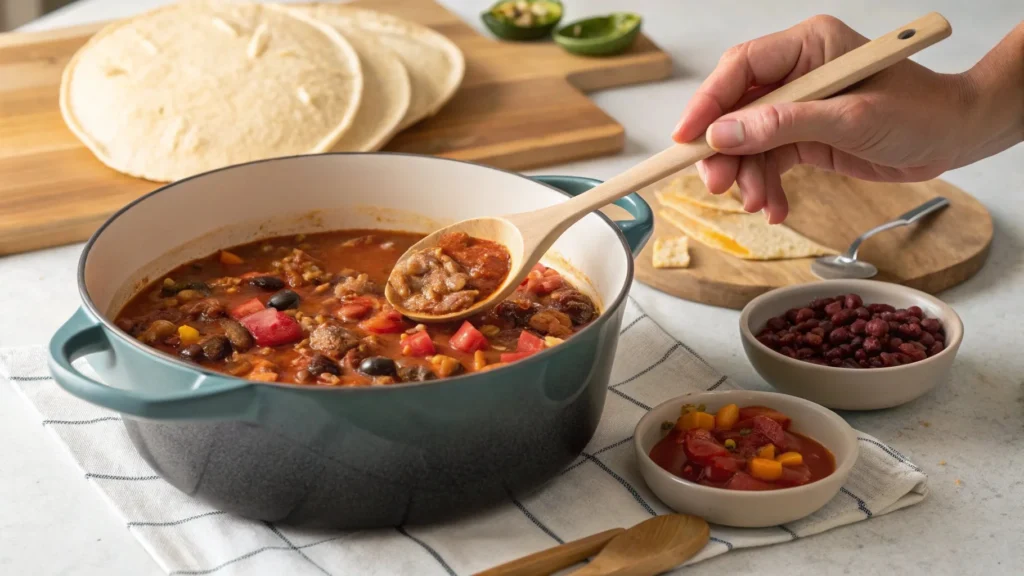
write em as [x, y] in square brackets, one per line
[345, 457]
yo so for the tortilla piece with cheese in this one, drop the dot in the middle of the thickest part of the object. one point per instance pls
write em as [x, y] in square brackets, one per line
[671, 252]
[747, 236]
[690, 189]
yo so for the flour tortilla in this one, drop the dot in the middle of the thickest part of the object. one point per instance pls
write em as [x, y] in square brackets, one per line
[203, 84]
[690, 188]
[435, 64]
[747, 236]
[387, 93]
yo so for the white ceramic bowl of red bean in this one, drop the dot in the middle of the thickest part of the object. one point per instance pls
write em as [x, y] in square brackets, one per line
[849, 388]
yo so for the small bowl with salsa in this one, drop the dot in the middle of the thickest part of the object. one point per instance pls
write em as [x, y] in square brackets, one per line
[744, 458]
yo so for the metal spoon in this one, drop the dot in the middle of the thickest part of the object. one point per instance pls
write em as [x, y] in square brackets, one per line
[847, 266]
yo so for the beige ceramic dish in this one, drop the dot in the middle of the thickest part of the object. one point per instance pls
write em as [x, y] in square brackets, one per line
[748, 509]
[849, 388]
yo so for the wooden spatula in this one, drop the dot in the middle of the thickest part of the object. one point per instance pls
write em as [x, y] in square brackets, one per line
[651, 547]
[528, 235]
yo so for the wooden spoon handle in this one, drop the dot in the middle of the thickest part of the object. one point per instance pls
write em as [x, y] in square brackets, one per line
[554, 559]
[819, 83]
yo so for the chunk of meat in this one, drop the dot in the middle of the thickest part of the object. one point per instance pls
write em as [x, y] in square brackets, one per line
[769, 429]
[744, 481]
[574, 304]
[516, 310]
[749, 412]
[215, 347]
[207, 309]
[415, 374]
[701, 447]
[552, 322]
[240, 338]
[359, 285]
[333, 340]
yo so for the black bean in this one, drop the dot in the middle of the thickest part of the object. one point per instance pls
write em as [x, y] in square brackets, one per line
[267, 283]
[284, 300]
[193, 352]
[378, 366]
[320, 364]
[216, 347]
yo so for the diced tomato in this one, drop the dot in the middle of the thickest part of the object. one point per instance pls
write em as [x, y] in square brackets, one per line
[384, 322]
[271, 327]
[529, 343]
[352, 312]
[420, 344]
[513, 356]
[770, 429]
[744, 481]
[468, 339]
[723, 467]
[749, 412]
[701, 447]
[794, 475]
[538, 267]
[247, 308]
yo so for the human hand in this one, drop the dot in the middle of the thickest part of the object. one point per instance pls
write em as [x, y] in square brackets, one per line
[906, 123]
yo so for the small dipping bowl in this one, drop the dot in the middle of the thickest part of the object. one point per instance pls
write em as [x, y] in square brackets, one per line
[849, 388]
[748, 509]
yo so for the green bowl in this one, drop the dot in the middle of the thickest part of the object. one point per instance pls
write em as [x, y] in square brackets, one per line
[507, 30]
[601, 35]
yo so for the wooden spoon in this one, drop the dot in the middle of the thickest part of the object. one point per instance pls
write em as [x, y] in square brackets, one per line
[651, 547]
[528, 235]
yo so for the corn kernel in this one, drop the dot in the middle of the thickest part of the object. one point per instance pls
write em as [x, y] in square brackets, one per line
[479, 361]
[187, 334]
[730, 444]
[551, 341]
[489, 330]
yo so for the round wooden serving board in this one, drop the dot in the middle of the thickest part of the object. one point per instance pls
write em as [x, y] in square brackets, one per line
[936, 253]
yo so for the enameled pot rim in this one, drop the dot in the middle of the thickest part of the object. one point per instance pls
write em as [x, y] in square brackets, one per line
[542, 356]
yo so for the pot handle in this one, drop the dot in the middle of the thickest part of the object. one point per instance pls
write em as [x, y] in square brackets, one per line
[191, 395]
[637, 231]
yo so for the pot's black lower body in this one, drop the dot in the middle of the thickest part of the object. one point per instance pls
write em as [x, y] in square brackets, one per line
[388, 457]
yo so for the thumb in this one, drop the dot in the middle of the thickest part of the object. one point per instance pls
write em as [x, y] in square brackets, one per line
[768, 126]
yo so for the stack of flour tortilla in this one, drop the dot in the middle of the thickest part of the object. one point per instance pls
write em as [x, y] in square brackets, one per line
[720, 222]
[203, 84]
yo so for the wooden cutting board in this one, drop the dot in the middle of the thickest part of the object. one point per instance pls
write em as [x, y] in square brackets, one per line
[521, 105]
[936, 253]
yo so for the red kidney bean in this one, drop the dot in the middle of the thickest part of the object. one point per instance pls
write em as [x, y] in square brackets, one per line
[788, 351]
[839, 336]
[859, 326]
[787, 339]
[813, 340]
[853, 301]
[860, 355]
[850, 363]
[912, 351]
[846, 350]
[820, 303]
[880, 308]
[872, 345]
[826, 326]
[835, 362]
[916, 312]
[843, 317]
[894, 325]
[863, 313]
[875, 362]
[833, 353]
[894, 343]
[931, 325]
[935, 348]
[877, 327]
[791, 314]
[927, 339]
[856, 342]
[939, 337]
[770, 340]
[804, 353]
[807, 325]
[887, 316]
[911, 331]
[864, 364]
[888, 359]
[804, 314]
[819, 331]
[817, 361]
[904, 359]
[833, 308]
[900, 316]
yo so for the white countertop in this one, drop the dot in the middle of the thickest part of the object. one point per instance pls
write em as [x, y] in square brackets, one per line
[53, 522]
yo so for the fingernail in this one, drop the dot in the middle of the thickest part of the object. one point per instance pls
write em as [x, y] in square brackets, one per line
[725, 134]
[767, 216]
[700, 171]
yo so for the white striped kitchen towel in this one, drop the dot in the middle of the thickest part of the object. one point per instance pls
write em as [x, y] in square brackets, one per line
[601, 490]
